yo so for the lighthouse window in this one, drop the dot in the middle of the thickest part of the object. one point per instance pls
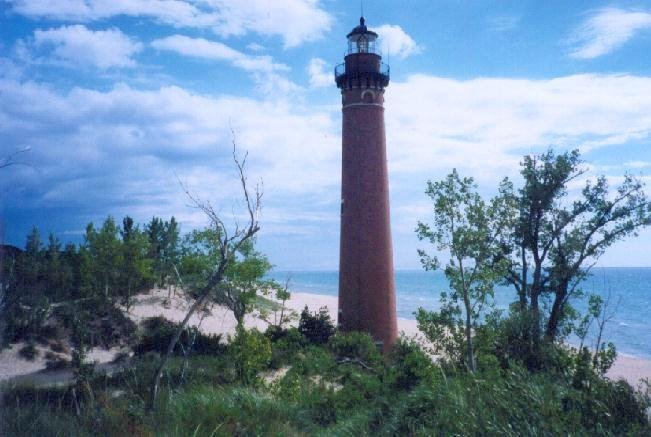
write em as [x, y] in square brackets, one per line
[362, 45]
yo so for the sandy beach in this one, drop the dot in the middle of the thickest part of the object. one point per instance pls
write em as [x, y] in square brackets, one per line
[220, 321]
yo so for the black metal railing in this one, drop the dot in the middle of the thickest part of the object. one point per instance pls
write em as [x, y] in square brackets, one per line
[340, 71]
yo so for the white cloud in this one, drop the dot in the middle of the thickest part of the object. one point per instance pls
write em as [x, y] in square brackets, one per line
[320, 76]
[202, 48]
[268, 75]
[124, 146]
[637, 164]
[296, 21]
[79, 45]
[607, 30]
[118, 151]
[255, 47]
[485, 124]
[504, 23]
[395, 40]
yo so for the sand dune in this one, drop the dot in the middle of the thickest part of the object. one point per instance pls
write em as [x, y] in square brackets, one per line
[218, 320]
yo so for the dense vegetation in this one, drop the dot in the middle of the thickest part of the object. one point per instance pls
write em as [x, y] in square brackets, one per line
[342, 387]
[496, 374]
[48, 288]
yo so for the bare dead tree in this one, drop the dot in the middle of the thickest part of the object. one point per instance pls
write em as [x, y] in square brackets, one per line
[231, 239]
[604, 317]
[10, 160]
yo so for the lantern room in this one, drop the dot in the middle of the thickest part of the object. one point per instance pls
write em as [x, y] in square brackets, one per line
[362, 40]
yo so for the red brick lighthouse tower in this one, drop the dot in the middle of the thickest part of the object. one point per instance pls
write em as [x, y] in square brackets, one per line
[367, 299]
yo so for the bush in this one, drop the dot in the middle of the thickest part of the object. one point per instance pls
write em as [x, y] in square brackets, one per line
[58, 347]
[317, 327]
[250, 352]
[157, 333]
[285, 344]
[409, 365]
[56, 361]
[356, 347]
[28, 352]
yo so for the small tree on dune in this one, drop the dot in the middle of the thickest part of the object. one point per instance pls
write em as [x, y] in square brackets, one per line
[555, 241]
[470, 230]
[223, 244]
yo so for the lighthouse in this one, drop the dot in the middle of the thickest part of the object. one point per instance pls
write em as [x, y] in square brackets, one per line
[367, 300]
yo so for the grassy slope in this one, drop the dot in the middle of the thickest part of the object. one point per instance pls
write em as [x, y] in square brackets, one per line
[324, 394]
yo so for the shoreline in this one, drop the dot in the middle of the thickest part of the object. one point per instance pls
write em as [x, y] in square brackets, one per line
[221, 322]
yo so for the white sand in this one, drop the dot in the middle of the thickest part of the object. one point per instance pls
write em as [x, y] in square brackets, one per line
[221, 321]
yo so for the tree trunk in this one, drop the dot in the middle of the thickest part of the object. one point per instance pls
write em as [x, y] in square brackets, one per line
[556, 313]
[469, 345]
[170, 349]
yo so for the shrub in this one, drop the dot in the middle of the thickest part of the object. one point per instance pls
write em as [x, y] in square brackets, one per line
[314, 360]
[317, 327]
[409, 365]
[28, 352]
[357, 347]
[285, 344]
[104, 325]
[158, 331]
[56, 361]
[250, 352]
[59, 347]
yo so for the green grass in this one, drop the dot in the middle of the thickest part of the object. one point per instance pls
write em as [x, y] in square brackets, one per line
[321, 395]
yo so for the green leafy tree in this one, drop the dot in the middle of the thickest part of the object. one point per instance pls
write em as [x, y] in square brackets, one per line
[58, 274]
[156, 236]
[215, 267]
[136, 272]
[556, 241]
[27, 305]
[164, 249]
[104, 251]
[170, 253]
[470, 230]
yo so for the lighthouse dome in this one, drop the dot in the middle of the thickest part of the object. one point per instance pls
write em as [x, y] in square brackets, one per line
[362, 30]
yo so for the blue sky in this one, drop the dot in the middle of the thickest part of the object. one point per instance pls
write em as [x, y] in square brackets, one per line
[114, 101]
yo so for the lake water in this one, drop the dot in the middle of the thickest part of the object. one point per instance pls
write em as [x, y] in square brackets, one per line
[630, 328]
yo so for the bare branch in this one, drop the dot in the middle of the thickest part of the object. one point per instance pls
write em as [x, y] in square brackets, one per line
[9, 160]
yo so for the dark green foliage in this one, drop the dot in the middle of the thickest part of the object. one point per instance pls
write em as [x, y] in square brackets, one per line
[28, 352]
[157, 332]
[355, 347]
[470, 230]
[137, 274]
[555, 241]
[323, 395]
[45, 284]
[285, 344]
[317, 327]
[250, 353]
[56, 362]
[409, 365]
[242, 283]
[164, 251]
[104, 325]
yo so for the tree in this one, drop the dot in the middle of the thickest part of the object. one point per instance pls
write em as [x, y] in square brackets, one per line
[243, 279]
[163, 248]
[104, 250]
[136, 271]
[8, 258]
[9, 160]
[555, 242]
[26, 303]
[227, 242]
[470, 230]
